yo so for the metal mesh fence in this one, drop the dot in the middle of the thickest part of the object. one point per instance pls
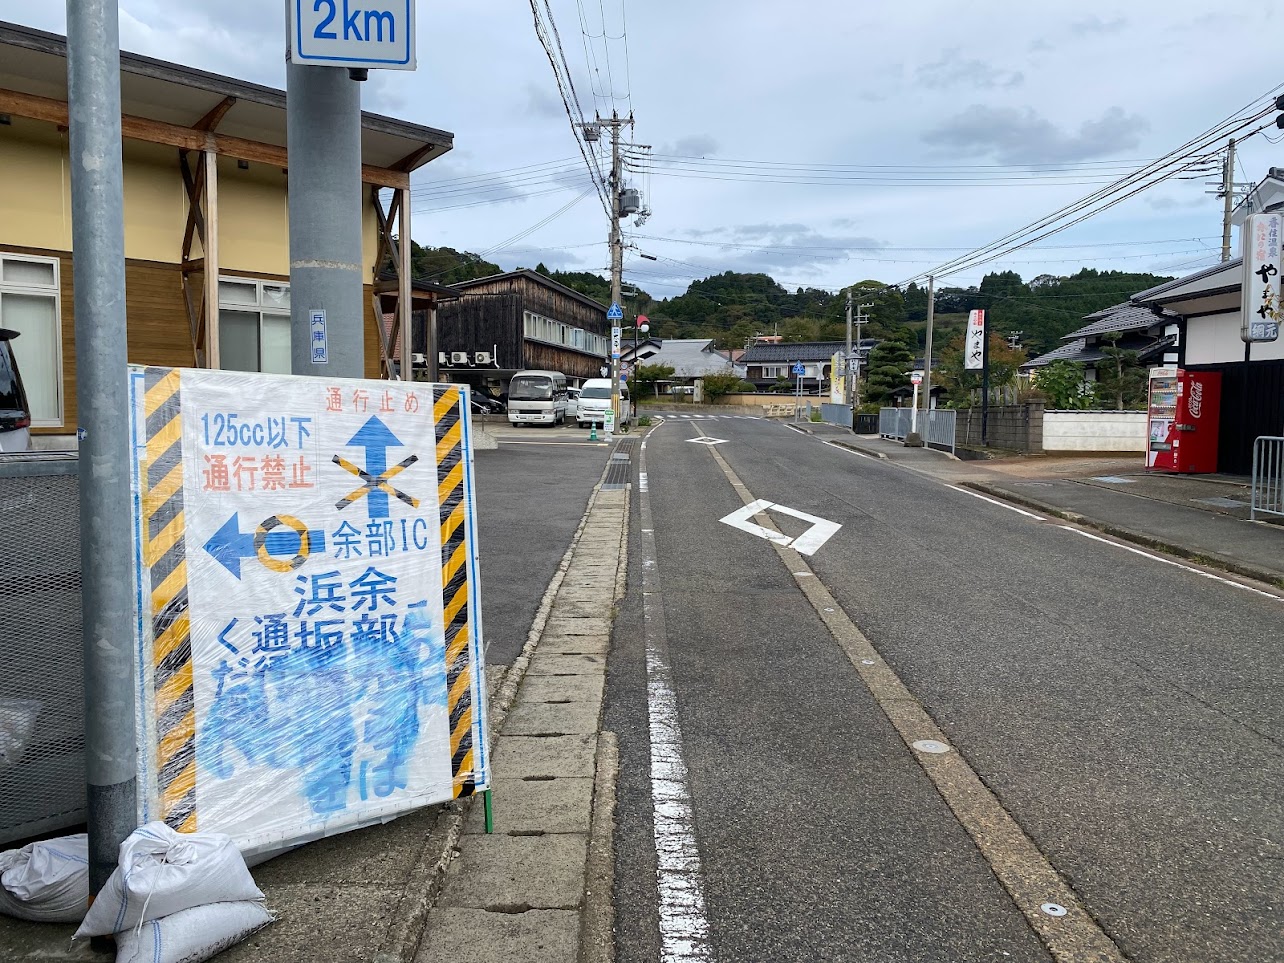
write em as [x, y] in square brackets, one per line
[42, 745]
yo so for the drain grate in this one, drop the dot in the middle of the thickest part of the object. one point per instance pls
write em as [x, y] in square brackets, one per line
[618, 472]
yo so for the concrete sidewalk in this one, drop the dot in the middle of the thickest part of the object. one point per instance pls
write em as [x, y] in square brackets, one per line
[433, 885]
[1203, 518]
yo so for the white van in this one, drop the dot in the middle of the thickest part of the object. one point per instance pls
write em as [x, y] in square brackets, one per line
[537, 398]
[595, 402]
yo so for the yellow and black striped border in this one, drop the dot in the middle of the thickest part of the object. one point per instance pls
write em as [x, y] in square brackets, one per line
[452, 491]
[164, 557]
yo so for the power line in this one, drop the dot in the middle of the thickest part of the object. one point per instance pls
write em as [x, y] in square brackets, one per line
[1187, 155]
[558, 73]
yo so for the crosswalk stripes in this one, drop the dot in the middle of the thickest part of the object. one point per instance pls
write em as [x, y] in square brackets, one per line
[713, 417]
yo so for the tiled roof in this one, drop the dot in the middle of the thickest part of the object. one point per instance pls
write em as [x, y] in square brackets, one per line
[691, 358]
[803, 351]
[1076, 350]
[1119, 317]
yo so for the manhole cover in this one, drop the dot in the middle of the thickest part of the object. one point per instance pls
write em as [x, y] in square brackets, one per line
[930, 745]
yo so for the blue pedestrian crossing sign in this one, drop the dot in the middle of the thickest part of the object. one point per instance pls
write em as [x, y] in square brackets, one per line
[798, 369]
[614, 313]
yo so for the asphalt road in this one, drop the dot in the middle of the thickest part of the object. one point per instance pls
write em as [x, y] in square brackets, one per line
[530, 499]
[1123, 711]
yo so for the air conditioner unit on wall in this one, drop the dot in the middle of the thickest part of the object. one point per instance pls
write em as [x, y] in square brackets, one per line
[459, 357]
[481, 357]
[417, 358]
[441, 358]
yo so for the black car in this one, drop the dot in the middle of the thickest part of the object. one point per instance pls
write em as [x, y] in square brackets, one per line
[15, 412]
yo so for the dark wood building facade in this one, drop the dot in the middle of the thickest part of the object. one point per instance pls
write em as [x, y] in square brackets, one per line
[520, 320]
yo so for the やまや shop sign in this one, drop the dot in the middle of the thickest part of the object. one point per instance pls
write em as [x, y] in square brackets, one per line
[309, 633]
[1261, 307]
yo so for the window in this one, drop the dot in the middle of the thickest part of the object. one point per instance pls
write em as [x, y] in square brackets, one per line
[773, 370]
[254, 325]
[29, 304]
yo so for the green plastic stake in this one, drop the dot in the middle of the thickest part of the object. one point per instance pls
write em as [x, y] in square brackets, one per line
[490, 814]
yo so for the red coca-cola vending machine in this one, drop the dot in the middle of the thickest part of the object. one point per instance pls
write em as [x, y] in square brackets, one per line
[1182, 423]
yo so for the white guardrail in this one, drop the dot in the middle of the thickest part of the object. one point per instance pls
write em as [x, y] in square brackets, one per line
[1268, 477]
[936, 426]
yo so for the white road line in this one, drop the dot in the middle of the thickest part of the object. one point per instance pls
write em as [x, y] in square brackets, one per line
[1169, 561]
[684, 925]
[642, 481]
[797, 429]
[850, 451]
[995, 501]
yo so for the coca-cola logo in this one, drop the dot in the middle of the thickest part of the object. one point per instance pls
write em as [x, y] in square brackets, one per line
[1196, 402]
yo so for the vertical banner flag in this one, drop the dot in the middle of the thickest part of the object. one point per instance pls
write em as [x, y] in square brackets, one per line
[1261, 308]
[837, 379]
[974, 350]
[309, 631]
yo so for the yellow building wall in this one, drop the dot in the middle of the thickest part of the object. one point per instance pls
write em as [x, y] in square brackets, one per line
[155, 203]
[35, 188]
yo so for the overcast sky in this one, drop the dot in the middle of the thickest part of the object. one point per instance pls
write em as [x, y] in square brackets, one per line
[1044, 101]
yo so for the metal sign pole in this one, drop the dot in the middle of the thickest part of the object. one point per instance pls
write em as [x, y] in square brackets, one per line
[323, 135]
[102, 398]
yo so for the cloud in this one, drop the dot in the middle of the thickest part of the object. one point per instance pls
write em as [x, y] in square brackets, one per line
[693, 145]
[541, 101]
[952, 71]
[1012, 135]
[1094, 26]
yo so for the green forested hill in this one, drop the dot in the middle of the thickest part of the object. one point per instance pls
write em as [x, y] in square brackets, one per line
[734, 307]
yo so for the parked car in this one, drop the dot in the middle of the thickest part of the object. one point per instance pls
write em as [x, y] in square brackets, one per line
[484, 404]
[595, 400]
[572, 402]
[15, 412]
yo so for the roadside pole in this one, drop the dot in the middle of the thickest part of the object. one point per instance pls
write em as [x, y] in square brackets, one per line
[985, 390]
[847, 358]
[927, 354]
[323, 135]
[102, 398]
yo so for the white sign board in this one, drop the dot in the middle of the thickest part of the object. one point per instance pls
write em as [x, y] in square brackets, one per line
[916, 378]
[310, 641]
[974, 348]
[1261, 308]
[352, 33]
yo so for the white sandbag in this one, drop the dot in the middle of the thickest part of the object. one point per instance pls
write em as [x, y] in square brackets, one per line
[47, 882]
[17, 722]
[161, 872]
[191, 935]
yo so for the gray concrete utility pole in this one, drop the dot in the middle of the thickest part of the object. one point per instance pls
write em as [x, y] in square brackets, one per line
[1228, 199]
[102, 399]
[847, 358]
[323, 137]
[927, 355]
[617, 247]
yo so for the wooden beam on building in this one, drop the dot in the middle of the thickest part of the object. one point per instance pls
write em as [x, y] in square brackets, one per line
[33, 107]
[385, 352]
[211, 120]
[210, 245]
[405, 304]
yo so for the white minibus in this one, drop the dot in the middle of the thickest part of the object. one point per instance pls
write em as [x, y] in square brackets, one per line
[537, 397]
[595, 401]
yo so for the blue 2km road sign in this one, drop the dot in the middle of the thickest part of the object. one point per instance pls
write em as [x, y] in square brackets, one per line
[353, 33]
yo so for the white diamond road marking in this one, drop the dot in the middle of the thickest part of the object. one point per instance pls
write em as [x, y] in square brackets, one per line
[706, 440]
[807, 543]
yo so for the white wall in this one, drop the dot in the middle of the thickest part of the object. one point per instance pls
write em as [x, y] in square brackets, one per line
[1094, 431]
[1215, 340]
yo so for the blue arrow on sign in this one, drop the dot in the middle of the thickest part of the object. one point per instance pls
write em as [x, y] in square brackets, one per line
[229, 545]
[281, 540]
[376, 438]
[614, 313]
